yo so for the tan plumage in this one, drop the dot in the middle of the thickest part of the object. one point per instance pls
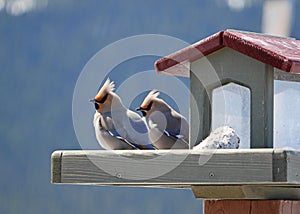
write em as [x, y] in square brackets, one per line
[106, 139]
[107, 87]
[162, 140]
[152, 95]
[165, 122]
[119, 121]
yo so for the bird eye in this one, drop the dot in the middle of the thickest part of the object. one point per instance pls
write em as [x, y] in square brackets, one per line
[96, 106]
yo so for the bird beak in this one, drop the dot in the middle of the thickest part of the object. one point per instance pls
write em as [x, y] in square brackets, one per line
[144, 113]
[139, 109]
[95, 103]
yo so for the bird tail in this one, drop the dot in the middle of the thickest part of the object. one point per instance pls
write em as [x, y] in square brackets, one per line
[144, 147]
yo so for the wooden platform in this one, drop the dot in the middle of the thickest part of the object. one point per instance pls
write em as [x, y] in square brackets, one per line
[222, 174]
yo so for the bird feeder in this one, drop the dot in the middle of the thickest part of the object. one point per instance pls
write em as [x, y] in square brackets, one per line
[246, 59]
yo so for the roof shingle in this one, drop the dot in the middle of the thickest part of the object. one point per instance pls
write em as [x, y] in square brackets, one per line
[279, 52]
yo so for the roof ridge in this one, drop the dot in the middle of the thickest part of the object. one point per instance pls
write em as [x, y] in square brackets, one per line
[279, 52]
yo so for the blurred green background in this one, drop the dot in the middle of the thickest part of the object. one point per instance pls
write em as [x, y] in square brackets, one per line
[44, 45]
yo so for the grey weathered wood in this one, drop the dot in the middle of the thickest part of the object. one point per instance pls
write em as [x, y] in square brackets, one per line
[242, 173]
[200, 113]
[227, 65]
[221, 166]
[285, 76]
[293, 166]
[248, 191]
[279, 166]
[56, 166]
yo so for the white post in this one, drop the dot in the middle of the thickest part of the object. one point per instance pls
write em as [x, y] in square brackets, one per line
[277, 17]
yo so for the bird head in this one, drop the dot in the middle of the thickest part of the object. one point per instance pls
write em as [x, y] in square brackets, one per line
[103, 99]
[152, 103]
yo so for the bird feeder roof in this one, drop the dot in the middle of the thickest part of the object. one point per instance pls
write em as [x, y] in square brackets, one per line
[280, 52]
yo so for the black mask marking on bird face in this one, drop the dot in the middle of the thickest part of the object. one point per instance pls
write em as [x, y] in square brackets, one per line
[96, 102]
[149, 106]
[103, 99]
[144, 113]
[96, 106]
[144, 110]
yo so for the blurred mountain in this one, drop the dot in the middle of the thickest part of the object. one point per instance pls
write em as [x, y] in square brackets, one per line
[42, 53]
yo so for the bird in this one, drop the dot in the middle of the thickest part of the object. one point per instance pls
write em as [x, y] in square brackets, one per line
[106, 139]
[223, 137]
[125, 127]
[167, 128]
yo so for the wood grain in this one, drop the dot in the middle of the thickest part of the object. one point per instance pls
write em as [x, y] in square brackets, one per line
[251, 206]
[166, 167]
[231, 174]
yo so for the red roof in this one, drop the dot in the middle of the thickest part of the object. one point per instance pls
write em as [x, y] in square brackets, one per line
[279, 52]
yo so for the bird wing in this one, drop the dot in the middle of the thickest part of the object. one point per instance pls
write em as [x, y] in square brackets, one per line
[163, 140]
[106, 139]
[130, 126]
[170, 122]
[135, 130]
[106, 121]
[177, 125]
[137, 123]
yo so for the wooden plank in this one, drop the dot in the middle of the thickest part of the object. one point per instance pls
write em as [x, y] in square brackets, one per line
[251, 206]
[279, 166]
[200, 109]
[248, 191]
[225, 174]
[282, 75]
[56, 166]
[293, 166]
[162, 167]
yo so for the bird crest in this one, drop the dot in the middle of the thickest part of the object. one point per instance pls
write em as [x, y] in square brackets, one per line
[150, 97]
[108, 87]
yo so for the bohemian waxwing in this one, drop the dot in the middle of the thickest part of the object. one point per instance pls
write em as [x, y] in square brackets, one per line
[167, 128]
[120, 122]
